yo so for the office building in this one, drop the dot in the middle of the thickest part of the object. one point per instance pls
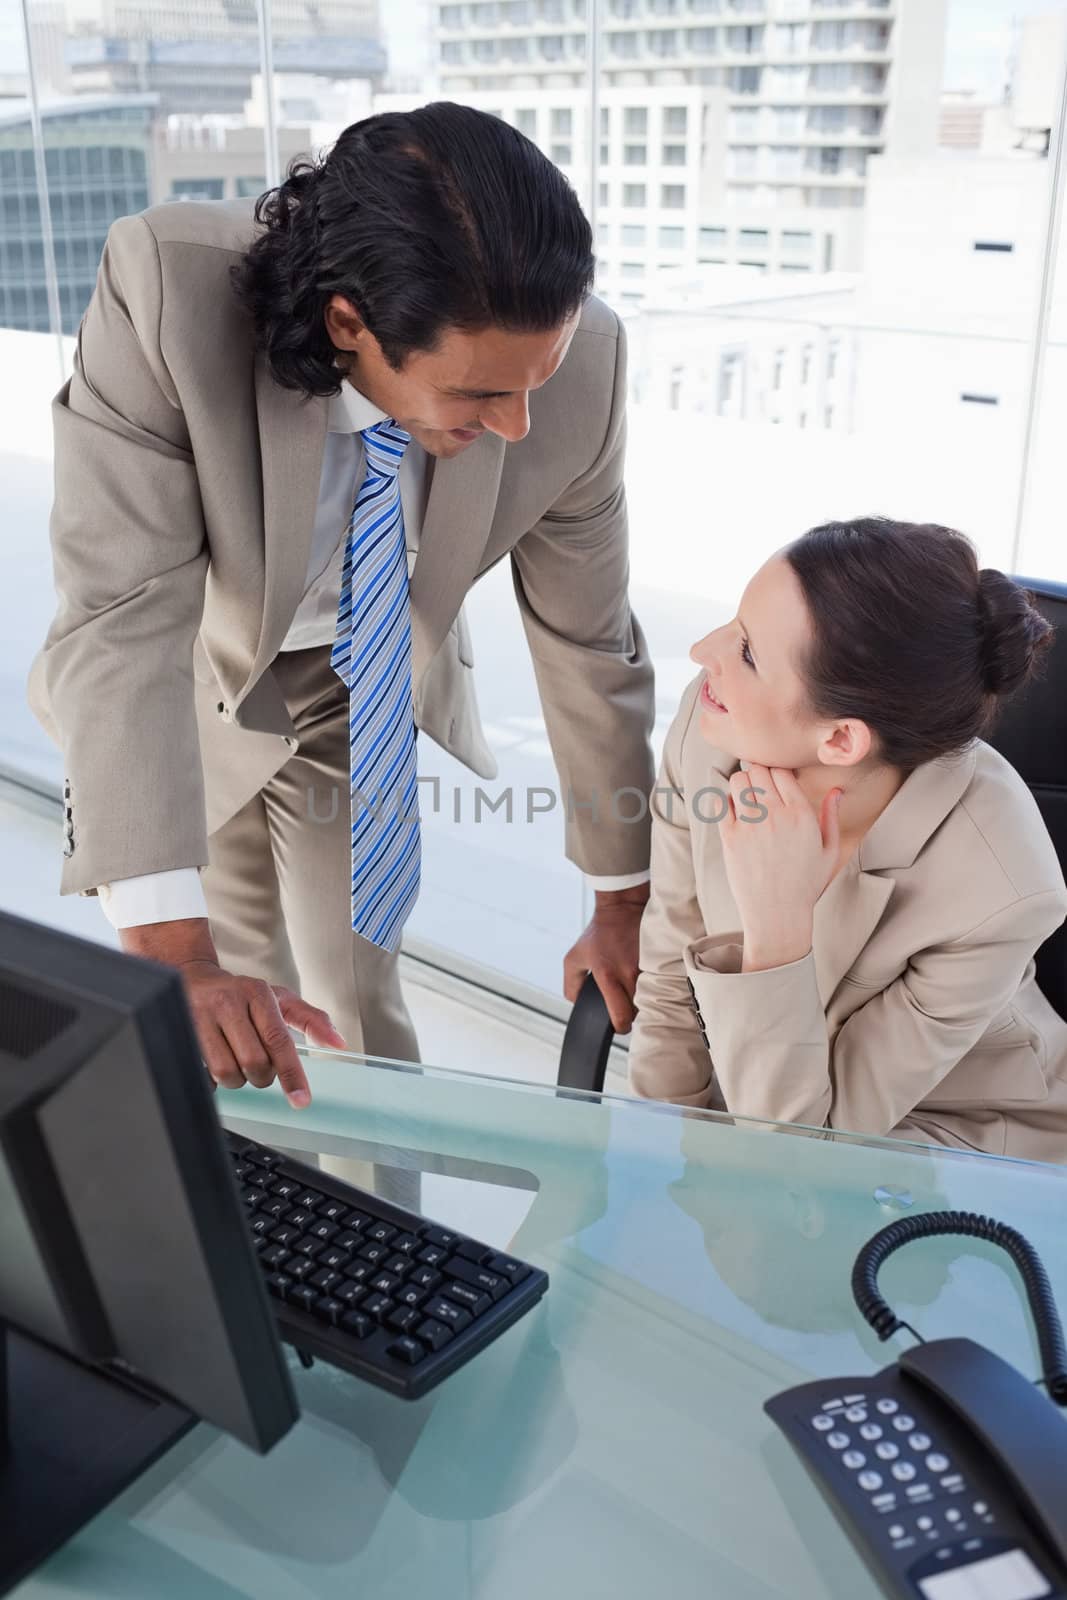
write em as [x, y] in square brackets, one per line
[98, 166]
[199, 57]
[808, 93]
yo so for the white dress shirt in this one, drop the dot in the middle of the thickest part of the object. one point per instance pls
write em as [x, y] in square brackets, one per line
[170, 896]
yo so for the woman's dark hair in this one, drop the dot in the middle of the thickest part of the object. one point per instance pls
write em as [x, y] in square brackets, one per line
[425, 220]
[910, 636]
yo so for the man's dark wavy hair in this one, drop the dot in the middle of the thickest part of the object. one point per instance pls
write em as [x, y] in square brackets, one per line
[438, 218]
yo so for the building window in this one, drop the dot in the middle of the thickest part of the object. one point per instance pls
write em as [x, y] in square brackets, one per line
[635, 121]
[603, 155]
[195, 189]
[830, 160]
[605, 121]
[250, 188]
[635, 155]
[672, 238]
[779, 367]
[561, 154]
[713, 238]
[526, 121]
[674, 155]
[672, 196]
[752, 239]
[634, 233]
[994, 246]
[632, 269]
[562, 122]
[981, 399]
[634, 196]
[676, 120]
[602, 194]
[833, 353]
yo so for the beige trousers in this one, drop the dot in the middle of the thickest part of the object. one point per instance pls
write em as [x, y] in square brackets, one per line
[278, 883]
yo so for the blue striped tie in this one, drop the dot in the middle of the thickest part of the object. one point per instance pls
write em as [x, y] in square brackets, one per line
[372, 654]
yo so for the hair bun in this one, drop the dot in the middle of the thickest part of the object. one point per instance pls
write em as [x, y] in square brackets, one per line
[1012, 633]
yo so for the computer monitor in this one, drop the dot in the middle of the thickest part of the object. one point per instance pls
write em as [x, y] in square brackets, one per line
[131, 1303]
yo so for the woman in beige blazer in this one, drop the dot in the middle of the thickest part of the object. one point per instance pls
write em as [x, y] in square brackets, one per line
[848, 885]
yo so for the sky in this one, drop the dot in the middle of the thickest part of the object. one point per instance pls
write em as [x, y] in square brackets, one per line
[978, 41]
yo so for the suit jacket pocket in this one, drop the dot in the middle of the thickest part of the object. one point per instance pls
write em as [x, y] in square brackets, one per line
[988, 1074]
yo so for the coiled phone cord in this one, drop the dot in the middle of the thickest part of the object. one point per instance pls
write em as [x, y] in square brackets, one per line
[885, 1322]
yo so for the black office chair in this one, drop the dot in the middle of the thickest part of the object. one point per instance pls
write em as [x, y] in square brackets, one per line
[1031, 734]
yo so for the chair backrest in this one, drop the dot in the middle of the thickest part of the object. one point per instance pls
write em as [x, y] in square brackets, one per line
[1032, 735]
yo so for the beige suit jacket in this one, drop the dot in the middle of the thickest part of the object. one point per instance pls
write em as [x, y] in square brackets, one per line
[186, 483]
[915, 1013]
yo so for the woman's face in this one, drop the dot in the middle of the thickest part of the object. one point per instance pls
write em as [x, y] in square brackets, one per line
[752, 704]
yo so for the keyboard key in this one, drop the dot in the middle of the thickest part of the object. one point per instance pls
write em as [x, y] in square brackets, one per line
[822, 1423]
[411, 1295]
[439, 1236]
[355, 1323]
[260, 1244]
[275, 1207]
[251, 1197]
[307, 1246]
[838, 1441]
[405, 1244]
[356, 1221]
[277, 1284]
[442, 1310]
[856, 1414]
[275, 1257]
[348, 1238]
[433, 1255]
[301, 1267]
[324, 1280]
[308, 1199]
[469, 1298]
[351, 1293]
[374, 1253]
[425, 1278]
[288, 1188]
[470, 1250]
[359, 1272]
[434, 1334]
[263, 1225]
[936, 1462]
[887, 1407]
[887, 1450]
[407, 1350]
[479, 1278]
[267, 1158]
[333, 1258]
[399, 1265]
[903, 1471]
[324, 1230]
[332, 1210]
[381, 1233]
[870, 1431]
[377, 1305]
[302, 1295]
[385, 1282]
[284, 1233]
[258, 1179]
[904, 1423]
[871, 1481]
[329, 1310]
[508, 1267]
[854, 1460]
[402, 1318]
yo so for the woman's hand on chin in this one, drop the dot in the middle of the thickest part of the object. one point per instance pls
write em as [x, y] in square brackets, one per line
[779, 853]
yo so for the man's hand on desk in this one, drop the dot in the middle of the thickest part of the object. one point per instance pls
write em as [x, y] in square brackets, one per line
[242, 1023]
[609, 950]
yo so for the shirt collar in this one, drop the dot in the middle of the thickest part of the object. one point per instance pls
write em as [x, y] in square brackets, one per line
[351, 412]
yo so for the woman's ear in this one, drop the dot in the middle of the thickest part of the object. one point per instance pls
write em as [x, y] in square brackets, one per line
[846, 744]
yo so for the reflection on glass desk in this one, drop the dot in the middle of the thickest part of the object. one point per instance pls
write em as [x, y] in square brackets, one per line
[611, 1445]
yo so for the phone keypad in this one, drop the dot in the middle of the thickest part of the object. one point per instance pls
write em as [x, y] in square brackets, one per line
[919, 1496]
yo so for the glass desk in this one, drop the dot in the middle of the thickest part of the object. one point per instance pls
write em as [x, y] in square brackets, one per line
[611, 1445]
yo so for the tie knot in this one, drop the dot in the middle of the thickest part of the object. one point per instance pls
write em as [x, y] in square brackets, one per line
[385, 444]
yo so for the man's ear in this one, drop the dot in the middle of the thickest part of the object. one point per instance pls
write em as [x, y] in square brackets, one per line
[344, 323]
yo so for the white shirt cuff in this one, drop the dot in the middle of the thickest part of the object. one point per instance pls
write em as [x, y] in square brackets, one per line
[153, 897]
[629, 880]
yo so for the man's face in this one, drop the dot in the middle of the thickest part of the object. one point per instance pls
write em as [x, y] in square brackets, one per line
[472, 383]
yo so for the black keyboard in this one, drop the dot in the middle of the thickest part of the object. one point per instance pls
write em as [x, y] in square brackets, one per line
[369, 1286]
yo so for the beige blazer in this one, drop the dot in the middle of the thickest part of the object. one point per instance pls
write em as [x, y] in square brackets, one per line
[915, 1012]
[186, 483]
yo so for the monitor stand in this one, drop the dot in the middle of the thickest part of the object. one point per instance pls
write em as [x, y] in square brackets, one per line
[71, 1439]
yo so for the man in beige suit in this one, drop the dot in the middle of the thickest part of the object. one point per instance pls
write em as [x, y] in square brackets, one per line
[239, 382]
